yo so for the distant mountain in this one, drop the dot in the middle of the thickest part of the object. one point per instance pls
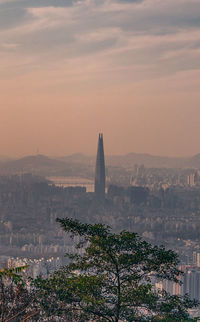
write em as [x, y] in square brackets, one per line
[39, 164]
[151, 161]
[195, 161]
[46, 166]
[77, 158]
[148, 160]
[82, 165]
[4, 158]
[130, 159]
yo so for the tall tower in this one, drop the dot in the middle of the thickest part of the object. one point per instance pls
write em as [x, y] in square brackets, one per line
[100, 170]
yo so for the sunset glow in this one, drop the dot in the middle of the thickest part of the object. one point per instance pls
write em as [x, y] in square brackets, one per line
[71, 69]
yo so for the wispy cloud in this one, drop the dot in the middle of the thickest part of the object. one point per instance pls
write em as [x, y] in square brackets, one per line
[130, 66]
[153, 34]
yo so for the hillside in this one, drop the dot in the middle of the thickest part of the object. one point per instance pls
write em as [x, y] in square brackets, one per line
[82, 165]
[40, 164]
[130, 159]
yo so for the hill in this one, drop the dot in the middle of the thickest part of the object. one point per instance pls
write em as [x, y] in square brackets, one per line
[83, 166]
[130, 159]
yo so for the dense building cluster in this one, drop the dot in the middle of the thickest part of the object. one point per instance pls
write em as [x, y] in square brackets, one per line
[161, 205]
[29, 208]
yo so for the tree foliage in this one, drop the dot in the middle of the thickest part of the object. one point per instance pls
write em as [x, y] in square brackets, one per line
[110, 278]
[17, 301]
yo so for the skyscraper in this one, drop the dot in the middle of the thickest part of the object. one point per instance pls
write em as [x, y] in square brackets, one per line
[100, 170]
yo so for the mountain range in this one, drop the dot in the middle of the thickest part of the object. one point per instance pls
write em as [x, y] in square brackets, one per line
[82, 165]
[130, 159]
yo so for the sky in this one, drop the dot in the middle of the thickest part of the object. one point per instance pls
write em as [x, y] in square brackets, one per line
[70, 69]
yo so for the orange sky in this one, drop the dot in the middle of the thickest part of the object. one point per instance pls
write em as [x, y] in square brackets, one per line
[129, 69]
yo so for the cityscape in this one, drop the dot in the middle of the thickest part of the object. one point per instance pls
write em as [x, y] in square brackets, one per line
[161, 204]
[99, 160]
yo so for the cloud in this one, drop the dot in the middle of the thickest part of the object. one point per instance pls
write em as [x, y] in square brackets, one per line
[9, 45]
[65, 63]
[154, 36]
[36, 3]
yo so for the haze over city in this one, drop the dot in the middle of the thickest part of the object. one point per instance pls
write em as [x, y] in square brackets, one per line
[99, 160]
[71, 69]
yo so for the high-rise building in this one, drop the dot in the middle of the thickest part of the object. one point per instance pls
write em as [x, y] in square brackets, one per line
[100, 170]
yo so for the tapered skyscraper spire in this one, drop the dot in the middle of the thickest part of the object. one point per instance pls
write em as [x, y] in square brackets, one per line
[100, 170]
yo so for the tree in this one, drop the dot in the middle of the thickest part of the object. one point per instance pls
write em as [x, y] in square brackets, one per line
[111, 279]
[17, 302]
